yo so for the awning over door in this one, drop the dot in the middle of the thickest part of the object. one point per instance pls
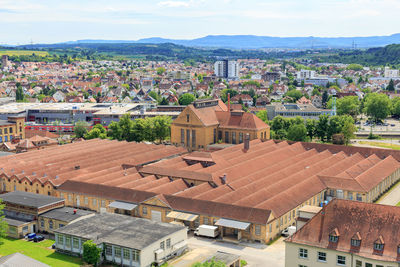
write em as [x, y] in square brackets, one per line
[182, 216]
[122, 205]
[233, 224]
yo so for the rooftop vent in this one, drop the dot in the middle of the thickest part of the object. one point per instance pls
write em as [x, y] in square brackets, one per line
[56, 177]
[77, 167]
[246, 142]
[33, 173]
[223, 178]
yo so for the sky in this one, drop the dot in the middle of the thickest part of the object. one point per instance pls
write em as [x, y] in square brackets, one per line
[51, 21]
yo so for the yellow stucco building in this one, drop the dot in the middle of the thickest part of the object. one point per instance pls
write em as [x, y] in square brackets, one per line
[13, 127]
[207, 122]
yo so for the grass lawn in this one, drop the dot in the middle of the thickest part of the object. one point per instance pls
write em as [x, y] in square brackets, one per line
[398, 204]
[22, 53]
[380, 144]
[39, 251]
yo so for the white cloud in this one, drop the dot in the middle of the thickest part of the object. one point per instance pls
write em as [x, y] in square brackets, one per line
[174, 4]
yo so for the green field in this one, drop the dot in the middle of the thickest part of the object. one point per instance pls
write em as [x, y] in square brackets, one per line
[40, 251]
[381, 144]
[23, 53]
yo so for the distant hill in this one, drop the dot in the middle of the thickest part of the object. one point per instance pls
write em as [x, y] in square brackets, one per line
[257, 42]
[389, 54]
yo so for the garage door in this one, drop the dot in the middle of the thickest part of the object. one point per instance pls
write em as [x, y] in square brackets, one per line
[156, 216]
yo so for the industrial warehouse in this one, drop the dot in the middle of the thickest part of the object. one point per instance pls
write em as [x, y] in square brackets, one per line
[251, 191]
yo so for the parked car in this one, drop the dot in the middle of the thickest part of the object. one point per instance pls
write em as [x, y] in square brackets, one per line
[30, 236]
[289, 231]
[392, 125]
[38, 238]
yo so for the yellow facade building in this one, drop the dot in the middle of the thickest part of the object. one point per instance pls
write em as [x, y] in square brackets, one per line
[207, 122]
[13, 127]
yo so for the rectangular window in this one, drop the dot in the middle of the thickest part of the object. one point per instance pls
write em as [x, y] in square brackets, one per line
[321, 256]
[11, 130]
[233, 138]
[300, 265]
[188, 137]
[359, 197]
[103, 203]
[135, 255]
[126, 253]
[5, 131]
[257, 230]
[380, 265]
[168, 242]
[25, 229]
[303, 253]
[94, 202]
[69, 197]
[369, 265]
[108, 250]
[86, 200]
[358, 263]
[187, 118]
[270, 228]
[67, 241]
[117, 252]
[75, 242]
[205, 220]
[341, 260]
[60, 239]
[162, 245]
[240, 138]
[226, 137]
[182, 136]
[193, 138]
[42, 223]
[60, 225]
[350, 195]
[219, 135]
[144, 210]
[215, 136]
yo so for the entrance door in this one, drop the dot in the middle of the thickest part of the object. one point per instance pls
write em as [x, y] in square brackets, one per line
[77, 201]
[156, 216]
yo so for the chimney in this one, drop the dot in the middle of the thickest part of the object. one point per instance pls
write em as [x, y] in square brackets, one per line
[223, 178]
[229, 102]
[246, 142]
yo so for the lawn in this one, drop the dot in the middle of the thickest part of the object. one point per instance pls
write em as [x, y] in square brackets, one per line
[380, 144]
[22, 53]
[398, 204]
[39, 251]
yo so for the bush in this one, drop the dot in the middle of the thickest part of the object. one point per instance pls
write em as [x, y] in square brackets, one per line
[338, 139]
[373, 136]
[243, 263]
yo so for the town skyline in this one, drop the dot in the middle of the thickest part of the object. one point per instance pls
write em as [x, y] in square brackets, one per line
[42, 22]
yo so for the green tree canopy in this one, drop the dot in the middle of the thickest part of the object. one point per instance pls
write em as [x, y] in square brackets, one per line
[80, 129]
[294, 94]
[297, 132]
[262, 114]
[98, 131]
[377, 106]
[186, 99]
[390, 87]
[91, 253]
[160, 70]
[355, 67]
[3, 223]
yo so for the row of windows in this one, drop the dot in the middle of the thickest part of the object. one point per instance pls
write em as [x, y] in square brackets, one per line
[340, 260]
[51, 224]
[321, 256]
[165, 243]
[5, 130]
[6, 138]
[125, 252]
[356, 243]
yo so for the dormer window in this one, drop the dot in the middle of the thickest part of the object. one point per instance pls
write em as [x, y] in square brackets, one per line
[356, 240]
[334, 236]
[379, 244]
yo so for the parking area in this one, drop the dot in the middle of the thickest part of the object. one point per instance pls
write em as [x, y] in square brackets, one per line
[256, 255]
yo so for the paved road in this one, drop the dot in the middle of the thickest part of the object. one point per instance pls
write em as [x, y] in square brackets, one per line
[256, 255]
[392, 198]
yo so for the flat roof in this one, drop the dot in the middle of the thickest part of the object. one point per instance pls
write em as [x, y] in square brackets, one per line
[66, 214]
[29, 199]
[15, 222]
[311, 209]
[121, 230]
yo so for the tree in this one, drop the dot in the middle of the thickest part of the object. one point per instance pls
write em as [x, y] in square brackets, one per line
[262, 114]
[114, 131]
[3, 223]
[334, 126]
[154, 95]
[325, 97]
[211, 263]
[225, 92]
[164, 102]
[297, 132]
[80, 129]
[98, 131]
[278, 123]
[349, 105]
[377, 106]
[321, 128]
[160, 70]
[161, 127]
[390, 87]
[294, 94]
[91, 253]
[348, 130]
[355, 67]
[19, 94]
[311, 126]
[186, 99]
[396, 106]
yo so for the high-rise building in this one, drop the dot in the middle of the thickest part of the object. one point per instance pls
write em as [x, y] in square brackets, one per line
[389, 73]
[226, 69]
